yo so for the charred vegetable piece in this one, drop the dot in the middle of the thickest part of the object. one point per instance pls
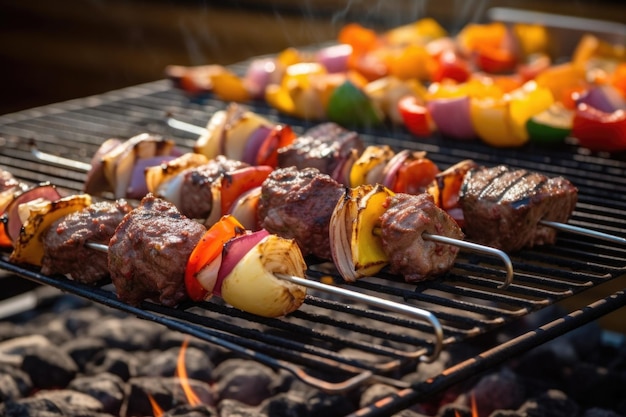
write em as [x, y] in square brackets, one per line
[252, 286]
[446, 186]
[206, 258]
[355, 244]
[368, 168]
[39, 216]
[11, 218]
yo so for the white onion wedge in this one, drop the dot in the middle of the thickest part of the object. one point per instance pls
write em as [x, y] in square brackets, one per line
[239, 127]
[160, 174]
[355, 246]
[252, 286]
[208, 144]
[118, 163]
[245, 208]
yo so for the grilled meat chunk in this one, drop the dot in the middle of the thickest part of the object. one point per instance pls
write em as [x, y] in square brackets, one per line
[402, 225]
[148, 252]
[64, 242]
[502, 206]
[325, 147]
[298, 204]
[196, 183]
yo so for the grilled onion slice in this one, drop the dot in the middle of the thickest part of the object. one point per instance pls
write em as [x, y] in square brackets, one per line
[118, 163]
[252, 286]
[158, 177]
[39, 215]
[356, 247]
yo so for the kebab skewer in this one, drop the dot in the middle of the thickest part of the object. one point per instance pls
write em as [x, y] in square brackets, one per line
[451, 189]
[222, 176]
[257, 272]
[440, 188]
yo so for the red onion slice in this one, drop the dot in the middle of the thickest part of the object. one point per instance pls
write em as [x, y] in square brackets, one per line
[255, 140]
[137, 188]
[334, 58]
[44, 191]
[390, 173]
[234, 250]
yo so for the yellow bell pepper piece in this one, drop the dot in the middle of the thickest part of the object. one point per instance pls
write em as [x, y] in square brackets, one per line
[41, 214]
[374, 157]
[490, 118]
[412, 61]
[419, 32]
[278, 97]
[532, 38]
[525, 103]
[229, 87]
[561, 80]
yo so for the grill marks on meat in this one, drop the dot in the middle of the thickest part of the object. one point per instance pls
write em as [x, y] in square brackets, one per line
[403, 224]
[149, 251]
[64, 243]
[324, 147]
[298, 204]
[502, 206]
[195, 188]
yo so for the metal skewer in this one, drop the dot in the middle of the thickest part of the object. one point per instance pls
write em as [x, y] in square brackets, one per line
[480, 249]
[583, 231]
[355, 296]
[185, 127]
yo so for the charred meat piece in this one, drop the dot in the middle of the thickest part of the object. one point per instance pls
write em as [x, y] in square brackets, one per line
[64, 243]
[502, 206]
[325, 147]
[298, 204]
[402, 225]
[195, 189]
[149, 251]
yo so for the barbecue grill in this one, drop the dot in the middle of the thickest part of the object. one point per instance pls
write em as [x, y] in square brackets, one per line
[334, 342]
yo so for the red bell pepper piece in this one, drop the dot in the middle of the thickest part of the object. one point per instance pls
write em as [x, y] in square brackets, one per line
[235, 183]
[415, 116]
[598, 130]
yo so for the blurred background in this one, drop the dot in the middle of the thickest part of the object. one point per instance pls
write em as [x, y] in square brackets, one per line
[55, 51]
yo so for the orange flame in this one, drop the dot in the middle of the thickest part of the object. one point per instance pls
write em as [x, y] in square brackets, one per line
[157, 411]
[474, 407]
[181, 371]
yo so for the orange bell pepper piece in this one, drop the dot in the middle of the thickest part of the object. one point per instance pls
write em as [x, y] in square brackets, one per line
[206, 252]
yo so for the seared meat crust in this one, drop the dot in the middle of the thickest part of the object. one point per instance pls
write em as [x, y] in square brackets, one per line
[298, 204]
[148, 252]
[195, 188]
[502, 206]
[402, 227]
[64, 243]
[324, 147]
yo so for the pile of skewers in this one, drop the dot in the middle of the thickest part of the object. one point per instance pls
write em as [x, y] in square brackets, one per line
[216, 222]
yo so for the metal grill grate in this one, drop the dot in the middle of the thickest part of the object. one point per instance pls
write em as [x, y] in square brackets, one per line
[332, 343]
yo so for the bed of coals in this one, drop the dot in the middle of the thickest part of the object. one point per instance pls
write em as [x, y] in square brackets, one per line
[69, 357]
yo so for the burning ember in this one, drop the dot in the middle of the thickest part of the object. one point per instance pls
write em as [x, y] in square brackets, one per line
[73, 358]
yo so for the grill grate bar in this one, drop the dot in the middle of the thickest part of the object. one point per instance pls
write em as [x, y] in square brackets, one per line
[317, 341]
